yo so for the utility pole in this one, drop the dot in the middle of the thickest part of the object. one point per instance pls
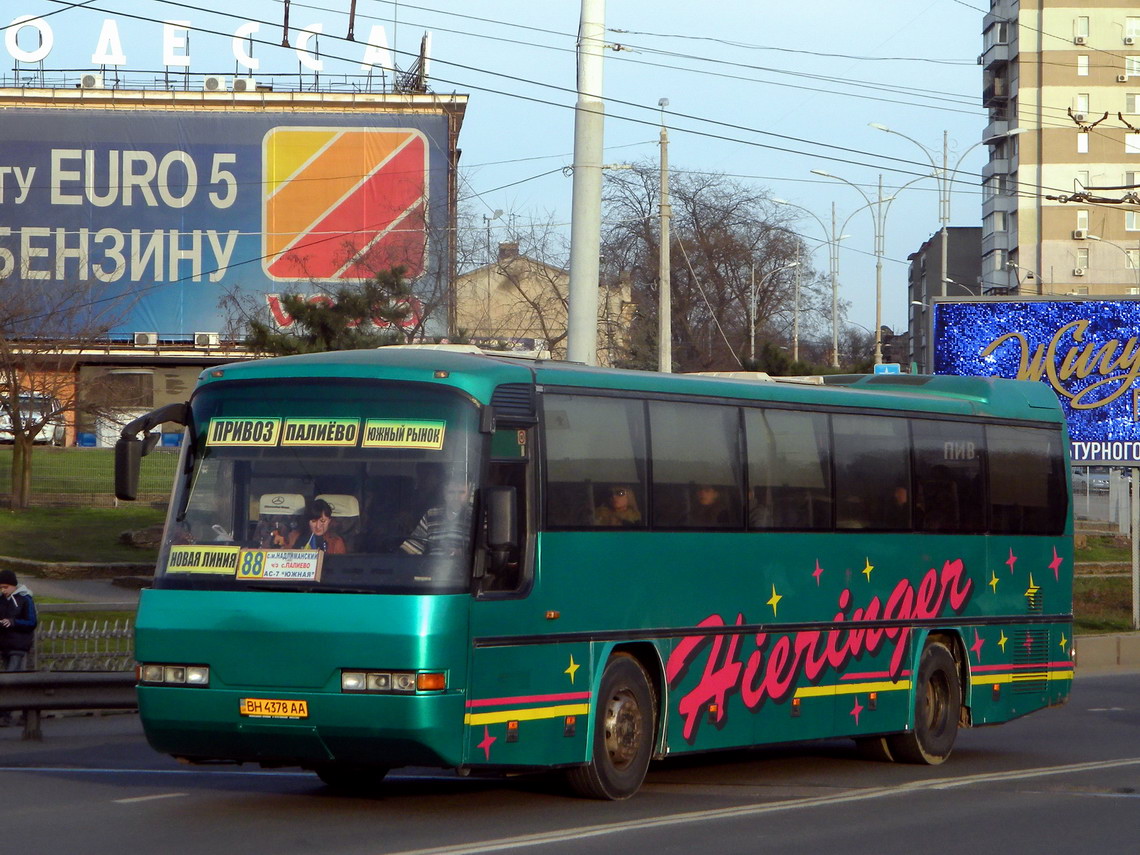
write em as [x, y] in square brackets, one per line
[664, 293]
[586, 208]
[834, 292]
[796, 310]
[944, 207]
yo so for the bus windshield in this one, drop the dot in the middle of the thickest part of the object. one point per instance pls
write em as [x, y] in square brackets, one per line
[325, 486]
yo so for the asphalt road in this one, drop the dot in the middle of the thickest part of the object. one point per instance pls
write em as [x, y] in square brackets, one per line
[1063, 780]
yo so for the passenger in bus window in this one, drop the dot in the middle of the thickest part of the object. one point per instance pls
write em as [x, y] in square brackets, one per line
[444, 530]
[710, 508]
[897, 514]
[620, 508]
[319, 514]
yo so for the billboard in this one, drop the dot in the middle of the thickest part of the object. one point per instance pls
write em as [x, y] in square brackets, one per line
[181, 206]
[1087, 350]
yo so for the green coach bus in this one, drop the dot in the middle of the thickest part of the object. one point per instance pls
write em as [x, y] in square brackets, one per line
[441, 558]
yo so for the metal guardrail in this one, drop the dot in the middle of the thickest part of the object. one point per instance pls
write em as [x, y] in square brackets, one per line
[37, 691]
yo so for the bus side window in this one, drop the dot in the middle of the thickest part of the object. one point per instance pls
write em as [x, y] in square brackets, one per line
[789, 469]
[570, 505]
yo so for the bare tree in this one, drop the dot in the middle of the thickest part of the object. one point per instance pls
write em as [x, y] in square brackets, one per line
[732, 257]
[45, 330]
[522, 293]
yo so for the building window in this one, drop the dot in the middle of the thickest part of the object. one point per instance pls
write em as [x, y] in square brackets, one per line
[1132, 179]
[1132, 221]
[1132, 27]
[1081, 182]
[1133, 258]
[1082, 143]
[1081, 103]
[1131, 143]
[1083, 220]
[1083, 258]
[1081, 27]
[1132, 102]
[1080, 290]
[1132, 66]
[1082, 66]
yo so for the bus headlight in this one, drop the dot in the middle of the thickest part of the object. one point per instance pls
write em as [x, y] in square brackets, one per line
[393, 682]
[173, 675]
[352, 681]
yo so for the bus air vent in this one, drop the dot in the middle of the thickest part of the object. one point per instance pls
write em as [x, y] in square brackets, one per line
[514, 404]
[1029, 658]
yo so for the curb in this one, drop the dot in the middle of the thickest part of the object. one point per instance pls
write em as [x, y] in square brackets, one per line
[77, 569]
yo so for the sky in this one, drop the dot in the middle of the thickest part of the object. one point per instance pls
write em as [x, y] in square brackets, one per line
[763, 92]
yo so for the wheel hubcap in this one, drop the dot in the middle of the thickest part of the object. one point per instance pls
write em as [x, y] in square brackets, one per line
[623, 728]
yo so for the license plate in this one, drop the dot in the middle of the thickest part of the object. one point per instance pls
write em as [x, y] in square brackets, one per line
[273, 708]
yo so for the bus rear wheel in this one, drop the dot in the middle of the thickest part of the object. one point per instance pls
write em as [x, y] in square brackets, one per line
[624, 726]
[351, 777]
[937, 709]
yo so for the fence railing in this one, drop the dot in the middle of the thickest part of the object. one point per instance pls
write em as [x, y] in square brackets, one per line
[72, 637]
[86, 476]
[73, 644]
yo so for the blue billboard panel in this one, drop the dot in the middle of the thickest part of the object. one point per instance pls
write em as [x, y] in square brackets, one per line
[178, 208]
[1088, 351]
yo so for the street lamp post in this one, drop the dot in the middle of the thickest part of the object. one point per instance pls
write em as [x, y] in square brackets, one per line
[832, 239]
[752, 303]
[1122, 249]
[944, 177]
[879, 215]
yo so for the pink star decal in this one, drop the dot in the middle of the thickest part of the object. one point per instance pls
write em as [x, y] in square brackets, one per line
[818, 572]
[487, 742]
[1055, 564]
[855, 710]
[1028, 643]
[976, 647]
[1011, 560]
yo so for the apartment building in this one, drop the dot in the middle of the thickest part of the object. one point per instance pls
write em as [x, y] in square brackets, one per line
[1061, 214]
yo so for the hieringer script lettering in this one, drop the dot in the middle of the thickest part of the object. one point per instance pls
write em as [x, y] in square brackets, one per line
[1118, 364]
[773, 668]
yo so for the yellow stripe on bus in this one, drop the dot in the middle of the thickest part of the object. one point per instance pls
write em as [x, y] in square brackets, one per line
[526, 715]
[1019, 677]
[852, 689]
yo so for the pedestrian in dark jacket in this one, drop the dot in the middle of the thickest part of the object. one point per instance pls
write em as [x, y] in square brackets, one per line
[17, 627]
[17, 622]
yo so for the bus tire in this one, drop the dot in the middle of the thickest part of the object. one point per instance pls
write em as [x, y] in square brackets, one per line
[937, 708]
[623, 733]
[351, 777]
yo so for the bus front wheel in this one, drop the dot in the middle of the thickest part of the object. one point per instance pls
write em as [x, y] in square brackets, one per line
[937, 708]
[624, 724]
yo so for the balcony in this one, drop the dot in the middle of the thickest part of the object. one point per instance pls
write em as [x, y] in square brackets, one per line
[996, 166]
[994, 241]
[995, 54]
[995, 91]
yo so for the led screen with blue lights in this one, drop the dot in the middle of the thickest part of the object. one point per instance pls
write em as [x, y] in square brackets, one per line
[1088, 351]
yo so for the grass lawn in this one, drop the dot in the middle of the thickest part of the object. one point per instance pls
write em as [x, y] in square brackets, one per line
[76, 534]
[88, 470]
[1102, 604]
[1102, 548]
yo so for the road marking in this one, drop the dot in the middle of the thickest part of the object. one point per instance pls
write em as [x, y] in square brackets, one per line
[148, 798]
[571, 834]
